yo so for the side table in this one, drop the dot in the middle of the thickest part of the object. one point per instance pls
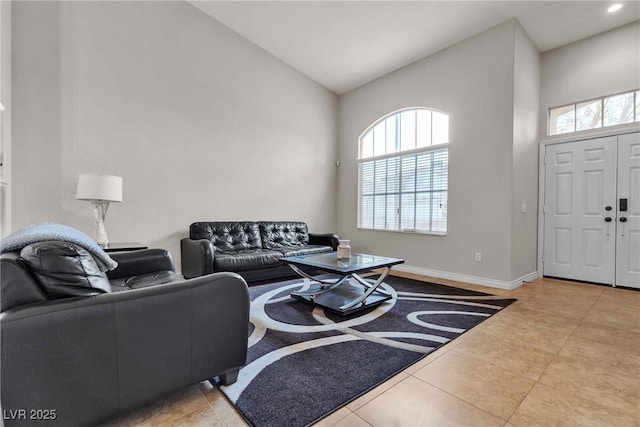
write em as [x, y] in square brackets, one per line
[125, 247]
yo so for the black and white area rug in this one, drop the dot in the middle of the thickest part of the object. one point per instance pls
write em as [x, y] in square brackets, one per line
[305, 362]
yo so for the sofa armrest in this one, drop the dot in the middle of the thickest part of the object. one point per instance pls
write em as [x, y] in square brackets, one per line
[133, 263]
[89, 358]
[328, 239]
[196, 257]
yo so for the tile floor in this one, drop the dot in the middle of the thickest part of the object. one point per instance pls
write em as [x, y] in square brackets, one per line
[565, 354]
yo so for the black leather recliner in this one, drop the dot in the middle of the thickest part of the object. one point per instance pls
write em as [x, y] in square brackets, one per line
[81, 360]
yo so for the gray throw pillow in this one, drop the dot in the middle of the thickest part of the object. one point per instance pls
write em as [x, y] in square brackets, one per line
[65, 270]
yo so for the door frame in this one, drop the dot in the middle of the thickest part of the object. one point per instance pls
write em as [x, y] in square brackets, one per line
[573, 137]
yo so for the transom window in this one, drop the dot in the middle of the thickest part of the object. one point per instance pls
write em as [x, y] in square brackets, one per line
[403, 168]
[596, 113]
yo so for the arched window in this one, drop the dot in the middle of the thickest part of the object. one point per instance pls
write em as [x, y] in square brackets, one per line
[403, 169]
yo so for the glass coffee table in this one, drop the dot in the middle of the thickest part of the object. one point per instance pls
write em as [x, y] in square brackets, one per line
[339, 295]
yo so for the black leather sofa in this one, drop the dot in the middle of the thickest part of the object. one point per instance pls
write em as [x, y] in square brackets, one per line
[80, 360]
[253, 249]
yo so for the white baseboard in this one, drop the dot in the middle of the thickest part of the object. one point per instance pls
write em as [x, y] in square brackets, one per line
[482, 281]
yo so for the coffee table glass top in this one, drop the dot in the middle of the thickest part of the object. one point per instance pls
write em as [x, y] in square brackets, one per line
[330, 262]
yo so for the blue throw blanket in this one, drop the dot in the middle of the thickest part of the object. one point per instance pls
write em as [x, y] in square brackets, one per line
[50, 231]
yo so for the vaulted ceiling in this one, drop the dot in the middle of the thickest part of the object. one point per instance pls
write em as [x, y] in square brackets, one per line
[345, 44]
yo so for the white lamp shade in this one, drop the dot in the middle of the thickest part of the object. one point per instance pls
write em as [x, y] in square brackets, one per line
[92, 186]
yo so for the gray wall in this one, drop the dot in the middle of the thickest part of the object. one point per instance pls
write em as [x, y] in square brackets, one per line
[524, 177]
[200, 123]
[473, 82]
[5, 118]
[601, 65]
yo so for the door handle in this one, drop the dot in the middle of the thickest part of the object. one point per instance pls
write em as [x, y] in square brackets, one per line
[607, 219]
[623, 219]
[608, 208]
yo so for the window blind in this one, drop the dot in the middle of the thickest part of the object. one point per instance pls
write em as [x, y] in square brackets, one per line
[405, 193]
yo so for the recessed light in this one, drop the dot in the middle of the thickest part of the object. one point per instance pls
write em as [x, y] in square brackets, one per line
[614, 8]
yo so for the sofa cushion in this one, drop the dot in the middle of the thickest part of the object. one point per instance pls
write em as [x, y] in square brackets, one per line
[305, 250]
[248, 259]
[283, 234]
[227, 236]
[65, 270]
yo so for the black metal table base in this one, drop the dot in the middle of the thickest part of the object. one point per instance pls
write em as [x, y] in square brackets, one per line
[342, 296]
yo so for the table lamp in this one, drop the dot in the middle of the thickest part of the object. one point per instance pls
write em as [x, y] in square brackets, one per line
[100, 190]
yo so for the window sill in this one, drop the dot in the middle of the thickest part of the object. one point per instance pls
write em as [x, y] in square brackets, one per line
[428, 233]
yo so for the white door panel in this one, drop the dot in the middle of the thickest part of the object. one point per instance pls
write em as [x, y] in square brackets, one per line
[580, 183]
[628, 225]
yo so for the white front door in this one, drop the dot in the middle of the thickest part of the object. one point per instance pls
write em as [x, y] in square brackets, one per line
[580, 210]
[628, 224]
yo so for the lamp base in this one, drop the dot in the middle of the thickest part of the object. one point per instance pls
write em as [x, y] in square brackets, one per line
[100, 212]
